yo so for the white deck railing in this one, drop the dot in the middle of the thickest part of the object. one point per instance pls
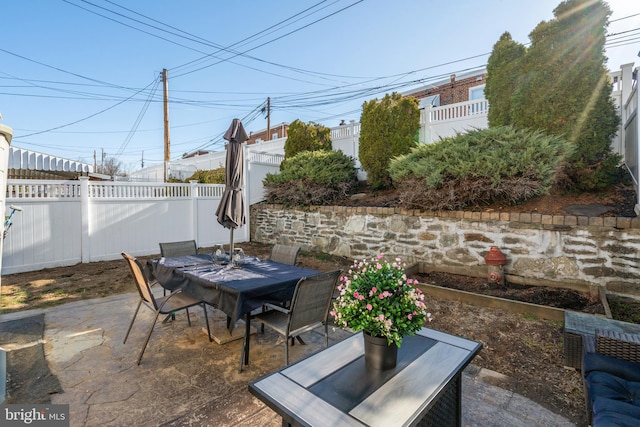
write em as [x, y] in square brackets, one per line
[460, 110]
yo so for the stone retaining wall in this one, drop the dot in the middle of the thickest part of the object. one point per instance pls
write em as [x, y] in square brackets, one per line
[568, 251]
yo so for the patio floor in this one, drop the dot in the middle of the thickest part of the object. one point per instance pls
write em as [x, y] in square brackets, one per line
[184, 380]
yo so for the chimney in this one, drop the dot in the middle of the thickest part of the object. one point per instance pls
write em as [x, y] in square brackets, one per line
[453, 78]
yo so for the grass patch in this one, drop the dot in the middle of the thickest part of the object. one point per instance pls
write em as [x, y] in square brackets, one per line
[624, 309]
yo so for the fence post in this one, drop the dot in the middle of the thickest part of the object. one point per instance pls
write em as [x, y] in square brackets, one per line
[195, 194]
[84, 219]
[6, 133]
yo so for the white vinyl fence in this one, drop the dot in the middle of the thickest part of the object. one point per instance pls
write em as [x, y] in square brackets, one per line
[68, 222]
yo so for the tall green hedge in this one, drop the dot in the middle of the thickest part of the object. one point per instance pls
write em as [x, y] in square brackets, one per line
[560, 86]
[503, 71]
[388, 128]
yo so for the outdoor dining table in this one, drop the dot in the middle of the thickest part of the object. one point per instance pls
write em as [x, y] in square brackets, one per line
[235, 291]
[334, 387]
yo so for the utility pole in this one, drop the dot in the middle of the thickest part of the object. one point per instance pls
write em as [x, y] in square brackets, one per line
[167, 143]
[268, 138]
[142, 161]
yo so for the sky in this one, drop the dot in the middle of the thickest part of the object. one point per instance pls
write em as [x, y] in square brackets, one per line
[81, 79]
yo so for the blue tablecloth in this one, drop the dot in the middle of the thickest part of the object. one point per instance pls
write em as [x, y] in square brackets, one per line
[235, 291]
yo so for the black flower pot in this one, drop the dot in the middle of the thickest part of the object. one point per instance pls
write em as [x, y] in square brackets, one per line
[378, 354]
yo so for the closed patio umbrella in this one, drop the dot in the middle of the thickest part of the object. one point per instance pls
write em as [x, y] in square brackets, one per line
[230, 212]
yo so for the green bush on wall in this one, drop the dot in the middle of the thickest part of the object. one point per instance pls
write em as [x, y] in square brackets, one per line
[481, 166]
[311, 178]
[388, 128]
[214, 176]
[306, 137]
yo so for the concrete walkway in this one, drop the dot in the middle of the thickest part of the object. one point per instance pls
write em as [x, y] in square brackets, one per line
[184, 380]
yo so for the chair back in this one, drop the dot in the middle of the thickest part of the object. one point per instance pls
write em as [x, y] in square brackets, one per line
[284, 254]
[142, 284]
[312, 300]
[185, 247]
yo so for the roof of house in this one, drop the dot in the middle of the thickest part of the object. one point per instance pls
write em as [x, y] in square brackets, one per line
[458, 76]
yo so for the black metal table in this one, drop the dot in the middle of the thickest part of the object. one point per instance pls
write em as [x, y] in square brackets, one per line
[333, 386]
[235, 291]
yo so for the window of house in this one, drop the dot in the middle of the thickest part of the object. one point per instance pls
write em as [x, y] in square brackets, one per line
[476, 92]
[274, 135]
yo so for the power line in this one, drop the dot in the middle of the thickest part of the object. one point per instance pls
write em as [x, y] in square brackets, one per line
[144, 109]
[85, 118]
[193, 38]
[273, 40]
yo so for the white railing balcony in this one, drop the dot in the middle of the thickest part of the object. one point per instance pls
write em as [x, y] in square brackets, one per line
[459, 110]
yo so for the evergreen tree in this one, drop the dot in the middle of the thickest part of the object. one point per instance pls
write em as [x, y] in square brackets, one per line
[387, 129]
[503, 70]
[306, 137]
[561, 86]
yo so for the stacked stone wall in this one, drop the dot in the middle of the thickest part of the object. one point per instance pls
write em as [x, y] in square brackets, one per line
[540, 249]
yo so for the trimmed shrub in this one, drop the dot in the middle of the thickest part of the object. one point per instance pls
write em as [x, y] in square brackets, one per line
[311, 178]
[479, 167]
[388, 128]
[306, 137]
[214, 176]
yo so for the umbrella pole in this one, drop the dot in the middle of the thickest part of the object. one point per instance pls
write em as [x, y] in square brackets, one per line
[231, 246]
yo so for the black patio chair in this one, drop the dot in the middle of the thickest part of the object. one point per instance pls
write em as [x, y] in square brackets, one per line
[309, 309]
[168, 304]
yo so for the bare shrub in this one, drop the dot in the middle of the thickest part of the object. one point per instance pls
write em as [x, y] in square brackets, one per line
[304, 192]
[454, 194]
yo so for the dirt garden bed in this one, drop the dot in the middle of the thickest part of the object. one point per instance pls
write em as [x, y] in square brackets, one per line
[566, 299]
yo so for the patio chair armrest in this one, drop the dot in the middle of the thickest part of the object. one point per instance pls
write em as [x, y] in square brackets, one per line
[167, 298]
[618, 344]
[277, 308]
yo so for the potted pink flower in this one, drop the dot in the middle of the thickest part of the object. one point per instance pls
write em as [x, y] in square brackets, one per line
[377, 298]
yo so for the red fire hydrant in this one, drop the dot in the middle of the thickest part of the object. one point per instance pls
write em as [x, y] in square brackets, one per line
[495, 259]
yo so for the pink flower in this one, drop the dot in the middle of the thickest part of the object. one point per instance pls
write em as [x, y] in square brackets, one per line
[369, 307]
[409, 316]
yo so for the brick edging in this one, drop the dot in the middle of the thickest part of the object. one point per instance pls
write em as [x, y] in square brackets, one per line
[551, 221]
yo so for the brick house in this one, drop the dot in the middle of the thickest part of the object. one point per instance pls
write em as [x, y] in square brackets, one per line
[276, 131]
[458, 88]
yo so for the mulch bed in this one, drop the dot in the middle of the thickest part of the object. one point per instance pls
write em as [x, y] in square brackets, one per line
[548, 296]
